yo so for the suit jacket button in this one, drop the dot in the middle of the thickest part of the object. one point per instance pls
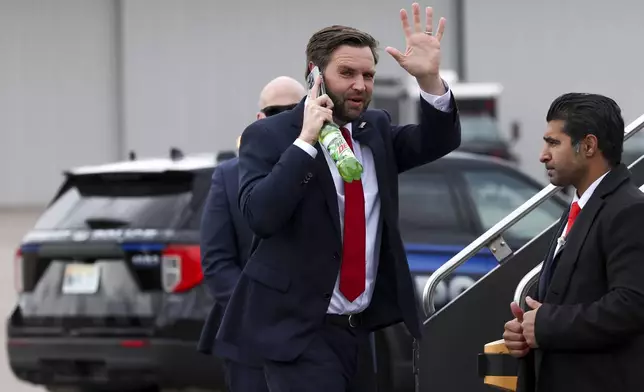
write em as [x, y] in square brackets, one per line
[336, 255]
[327, 295]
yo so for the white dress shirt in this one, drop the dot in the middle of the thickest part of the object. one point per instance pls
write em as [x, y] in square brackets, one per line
[581, 201]
[339, 304]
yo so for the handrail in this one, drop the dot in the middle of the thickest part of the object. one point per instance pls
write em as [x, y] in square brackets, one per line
[531, 277]
[526, 283]
[494, 233]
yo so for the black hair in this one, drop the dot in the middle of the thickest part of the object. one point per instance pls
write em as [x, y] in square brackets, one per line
[324, 42]
[591, 114]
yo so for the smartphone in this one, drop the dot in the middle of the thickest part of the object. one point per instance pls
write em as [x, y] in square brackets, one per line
[315, 72]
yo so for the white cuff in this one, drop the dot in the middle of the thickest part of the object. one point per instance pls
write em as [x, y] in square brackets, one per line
[312, 151]
[440, 102]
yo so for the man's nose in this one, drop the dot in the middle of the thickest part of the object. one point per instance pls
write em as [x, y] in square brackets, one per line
[359, 84]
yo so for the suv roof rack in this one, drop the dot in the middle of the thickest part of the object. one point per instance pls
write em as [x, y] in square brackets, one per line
[176, 154]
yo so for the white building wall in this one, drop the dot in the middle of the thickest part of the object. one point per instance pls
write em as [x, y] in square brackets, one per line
[57, 93]
[540, 50]
[194, 69]
[84, 81]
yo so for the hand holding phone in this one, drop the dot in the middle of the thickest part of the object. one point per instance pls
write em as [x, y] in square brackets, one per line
[318, 109]
[318, 125]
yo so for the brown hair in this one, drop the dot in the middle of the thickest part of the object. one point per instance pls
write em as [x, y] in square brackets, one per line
[322, 44]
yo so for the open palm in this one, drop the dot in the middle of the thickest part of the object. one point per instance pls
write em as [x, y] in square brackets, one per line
[422, 56]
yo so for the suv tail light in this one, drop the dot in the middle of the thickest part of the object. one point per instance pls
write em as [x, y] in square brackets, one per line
[17, 272]
[180, 268]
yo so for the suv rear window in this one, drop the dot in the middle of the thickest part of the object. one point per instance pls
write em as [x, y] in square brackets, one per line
[123, 200]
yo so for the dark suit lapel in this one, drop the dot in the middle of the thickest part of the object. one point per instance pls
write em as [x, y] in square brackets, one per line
[550, 281]
[544, 276]
[366, 134]
[328, 189]
[323, 173]
[569, 254]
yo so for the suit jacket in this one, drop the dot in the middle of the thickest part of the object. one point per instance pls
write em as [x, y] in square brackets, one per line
[590, 328]
[289, 200]
[225, 244]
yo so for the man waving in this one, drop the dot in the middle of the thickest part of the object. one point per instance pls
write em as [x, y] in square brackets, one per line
[328, 265]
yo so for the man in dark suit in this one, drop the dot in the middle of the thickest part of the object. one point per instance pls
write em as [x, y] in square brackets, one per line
[328, 264]
[585, 329]
[226, 240]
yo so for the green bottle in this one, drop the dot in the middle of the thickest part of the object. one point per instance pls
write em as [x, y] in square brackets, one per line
[348, 165]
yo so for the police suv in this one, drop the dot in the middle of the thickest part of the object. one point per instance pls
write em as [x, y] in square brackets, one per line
[109, 280]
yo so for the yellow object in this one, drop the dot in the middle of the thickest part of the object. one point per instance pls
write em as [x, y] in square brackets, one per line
[507, 383]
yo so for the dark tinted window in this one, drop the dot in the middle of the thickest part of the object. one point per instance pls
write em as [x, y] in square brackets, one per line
[122, 201]
[426, 206]
[480, 128]
[497, 193]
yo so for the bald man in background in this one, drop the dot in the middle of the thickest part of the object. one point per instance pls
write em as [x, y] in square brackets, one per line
[280, 94]
[226, 239]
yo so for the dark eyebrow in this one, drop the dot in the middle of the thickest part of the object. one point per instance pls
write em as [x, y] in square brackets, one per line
[350, 69]
[549, 139]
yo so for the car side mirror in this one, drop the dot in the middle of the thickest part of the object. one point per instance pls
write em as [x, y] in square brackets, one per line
[515, 132]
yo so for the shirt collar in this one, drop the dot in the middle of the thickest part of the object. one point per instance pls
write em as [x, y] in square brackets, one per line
[589, 192]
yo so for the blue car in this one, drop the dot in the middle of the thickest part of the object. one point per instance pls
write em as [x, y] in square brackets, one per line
[109, 279]
[447, 204]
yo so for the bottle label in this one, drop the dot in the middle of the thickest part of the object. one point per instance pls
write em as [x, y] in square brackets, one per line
[346, 162]
[336, 145]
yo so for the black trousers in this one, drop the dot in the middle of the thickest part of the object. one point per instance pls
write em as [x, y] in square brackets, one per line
[338, 359]
[244, 378]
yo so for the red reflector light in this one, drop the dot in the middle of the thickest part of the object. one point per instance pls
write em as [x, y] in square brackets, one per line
[499, 153]
[17, 342]
[133, 343]
[17, 271]
[181, 268]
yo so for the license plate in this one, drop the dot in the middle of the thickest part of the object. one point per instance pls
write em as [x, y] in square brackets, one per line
[81, 279]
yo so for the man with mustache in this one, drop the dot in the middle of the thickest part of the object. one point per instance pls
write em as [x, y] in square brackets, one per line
[328, 264]
[585, 327]
[226, 240]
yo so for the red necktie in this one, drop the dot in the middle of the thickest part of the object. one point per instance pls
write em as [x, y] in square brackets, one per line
[352, 270]
[572, 215]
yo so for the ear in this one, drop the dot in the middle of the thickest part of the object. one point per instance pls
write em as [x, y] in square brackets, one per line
[590, 145]
[311, 66]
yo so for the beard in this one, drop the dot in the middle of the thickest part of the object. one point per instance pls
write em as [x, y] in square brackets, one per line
[342, 112]
[567, 175]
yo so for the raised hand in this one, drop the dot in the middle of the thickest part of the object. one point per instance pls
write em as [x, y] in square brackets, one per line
[422, 55]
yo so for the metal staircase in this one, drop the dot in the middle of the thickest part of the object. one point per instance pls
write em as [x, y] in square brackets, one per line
[455, 335]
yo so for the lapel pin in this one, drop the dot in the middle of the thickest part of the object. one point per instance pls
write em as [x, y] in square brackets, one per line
[561, 241]
[362, 124]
